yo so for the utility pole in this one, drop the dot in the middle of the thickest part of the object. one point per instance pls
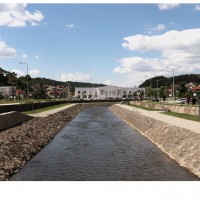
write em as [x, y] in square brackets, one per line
[173, 68]
[68, 90]
[27, 92]
[157, 87]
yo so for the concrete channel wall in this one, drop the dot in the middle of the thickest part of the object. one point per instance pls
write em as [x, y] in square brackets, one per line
[27, 106]
[180, 144]
[191, 110]
[32, 106]
[21, 143]
[11, 119]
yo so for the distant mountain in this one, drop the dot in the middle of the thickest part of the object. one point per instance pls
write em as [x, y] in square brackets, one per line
[71, 84]
[164, 81]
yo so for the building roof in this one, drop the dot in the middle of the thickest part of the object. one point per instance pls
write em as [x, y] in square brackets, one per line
[196, 88]
[20, 92]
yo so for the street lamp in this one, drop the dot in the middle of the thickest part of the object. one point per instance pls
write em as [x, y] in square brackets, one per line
[157, 86]
[197, 93]
[173, 68]
[27, 93]
[151, 76]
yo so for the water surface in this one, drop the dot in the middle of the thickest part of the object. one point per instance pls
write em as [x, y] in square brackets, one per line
[98, 146]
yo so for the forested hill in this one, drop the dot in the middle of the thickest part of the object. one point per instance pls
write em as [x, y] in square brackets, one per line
[71, 84]
[167, 81]
[10, 78]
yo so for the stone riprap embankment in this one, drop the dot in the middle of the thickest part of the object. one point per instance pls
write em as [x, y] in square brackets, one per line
[180, 144]
[11, 119]
[19, 144]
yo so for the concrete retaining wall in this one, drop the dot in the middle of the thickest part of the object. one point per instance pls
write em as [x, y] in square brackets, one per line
[191, 110]
[32, 106]
[19, 144]
[28, 106]
[180, 144]
[11, 119]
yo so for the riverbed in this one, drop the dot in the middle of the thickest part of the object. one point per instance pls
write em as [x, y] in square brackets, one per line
[98, 146]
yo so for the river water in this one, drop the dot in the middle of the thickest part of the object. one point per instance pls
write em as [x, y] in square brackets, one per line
[98, 146]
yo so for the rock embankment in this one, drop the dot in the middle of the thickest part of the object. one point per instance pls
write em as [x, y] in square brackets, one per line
[19, 144]
[180, 144]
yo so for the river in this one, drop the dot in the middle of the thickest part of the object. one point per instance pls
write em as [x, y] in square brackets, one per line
[99, 146]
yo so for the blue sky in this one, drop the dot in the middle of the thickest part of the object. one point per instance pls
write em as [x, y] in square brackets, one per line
[117, 44]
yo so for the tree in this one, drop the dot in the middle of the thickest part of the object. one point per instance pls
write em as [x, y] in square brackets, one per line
[181, 89]
[162, 92]
[40, 93]
[3, 80]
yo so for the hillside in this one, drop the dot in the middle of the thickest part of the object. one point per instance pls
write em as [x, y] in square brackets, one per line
[10, 78]
[72, 84]
[164, 81]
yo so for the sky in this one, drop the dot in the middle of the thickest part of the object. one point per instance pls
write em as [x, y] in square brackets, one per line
[114, 44]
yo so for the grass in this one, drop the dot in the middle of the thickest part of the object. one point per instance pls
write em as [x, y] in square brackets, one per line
[174, 114]
[142, 107]
[44, 109]
[11, 101]
[183, 116]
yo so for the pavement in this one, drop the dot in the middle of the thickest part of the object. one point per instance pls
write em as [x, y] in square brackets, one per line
[52, 111]
[175, 121]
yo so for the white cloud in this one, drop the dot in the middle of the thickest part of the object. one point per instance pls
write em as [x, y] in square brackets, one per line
[16, 15]
[197, 7]
[139, 64]
[108, 82]
[173, 48]
[5, 51]
[18, 72]
[37, 57]
[70, 25]
[176, 45]
[156, 29]
[167, 6]
[75, 77]
[160, 27]
[24, 56]
[34, 73]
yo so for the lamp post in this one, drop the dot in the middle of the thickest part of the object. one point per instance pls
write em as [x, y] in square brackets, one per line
[157, 86]
[150, 76]
[150, 85]
[197, 93]
[173, 68]
[27, 92]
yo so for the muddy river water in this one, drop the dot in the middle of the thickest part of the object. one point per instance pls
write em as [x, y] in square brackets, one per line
[98, 146]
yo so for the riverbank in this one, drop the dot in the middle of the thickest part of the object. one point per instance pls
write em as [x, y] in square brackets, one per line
[180, 144]
[21, 143]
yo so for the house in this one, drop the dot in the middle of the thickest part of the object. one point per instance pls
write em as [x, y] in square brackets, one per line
[20, 93]
[197, 88]
[8, 91]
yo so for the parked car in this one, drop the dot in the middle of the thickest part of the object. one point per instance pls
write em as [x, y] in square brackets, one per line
[155, 99]
[181, 100]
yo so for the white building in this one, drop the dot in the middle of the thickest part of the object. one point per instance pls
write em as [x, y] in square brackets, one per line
[106, 92]
[8, 91]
